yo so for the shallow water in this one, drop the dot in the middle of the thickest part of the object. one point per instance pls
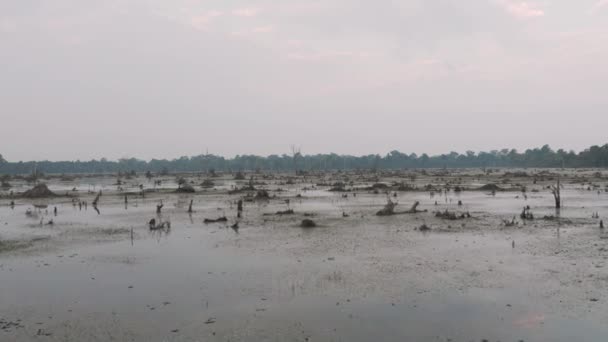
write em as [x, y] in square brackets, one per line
[351, 279]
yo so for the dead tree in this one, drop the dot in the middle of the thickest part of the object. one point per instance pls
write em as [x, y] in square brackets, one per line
[414, 209]
[389, 208]
[166, 225]
[239, 208]
[295, 151]
[96, 200]
[557, 194]
[526, 214]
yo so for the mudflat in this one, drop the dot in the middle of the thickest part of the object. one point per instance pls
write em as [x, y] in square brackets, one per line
[484, 255]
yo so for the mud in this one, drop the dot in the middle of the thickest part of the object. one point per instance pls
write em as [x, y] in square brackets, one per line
[354, 277]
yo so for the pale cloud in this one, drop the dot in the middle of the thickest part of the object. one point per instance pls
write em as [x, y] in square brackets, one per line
[600, 5]
[522, 9]
[251, 32]
[263, 29]
[245, 12]
[202, 21]
[294, 42]
[327, 55]
[429, 61]
[7, 26]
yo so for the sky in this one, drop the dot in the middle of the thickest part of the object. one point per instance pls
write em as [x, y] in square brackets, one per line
[83, 79]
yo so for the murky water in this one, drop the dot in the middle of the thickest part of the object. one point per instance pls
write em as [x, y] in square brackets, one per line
[101, 277]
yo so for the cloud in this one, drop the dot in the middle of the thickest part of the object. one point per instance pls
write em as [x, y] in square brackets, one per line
[443, 56]
[7, 26]
[249, 32]
[202, 21]
[600, 5]
[245, 12]
[522, 9]
[263, 29]
[327, 55]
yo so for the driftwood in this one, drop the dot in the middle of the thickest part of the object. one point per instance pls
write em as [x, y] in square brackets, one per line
[389, 208]
[508, 223]
[414, 210]
[161, 225]
[96, 200]
[219, 219]
[448, 215]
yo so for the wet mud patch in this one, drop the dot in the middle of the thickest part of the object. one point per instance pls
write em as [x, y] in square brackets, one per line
[12, 246]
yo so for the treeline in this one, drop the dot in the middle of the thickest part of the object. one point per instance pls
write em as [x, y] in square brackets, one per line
[595, 156]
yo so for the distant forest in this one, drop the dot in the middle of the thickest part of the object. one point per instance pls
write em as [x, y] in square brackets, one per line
[595, 156]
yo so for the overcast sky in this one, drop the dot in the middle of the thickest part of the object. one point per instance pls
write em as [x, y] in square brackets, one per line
[82, 79]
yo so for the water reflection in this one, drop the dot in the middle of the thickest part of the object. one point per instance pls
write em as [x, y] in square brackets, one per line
[159, 233]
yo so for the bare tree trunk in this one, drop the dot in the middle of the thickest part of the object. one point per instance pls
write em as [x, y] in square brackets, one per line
[557, 194]
[295, 151]
[414, 208]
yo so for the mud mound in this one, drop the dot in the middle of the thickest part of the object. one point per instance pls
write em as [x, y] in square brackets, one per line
[186, 188]
[39, 191]
[207, 183]
[378, 186]
[490, 187]
[516, 174]
[262, 194]
[308, 223]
